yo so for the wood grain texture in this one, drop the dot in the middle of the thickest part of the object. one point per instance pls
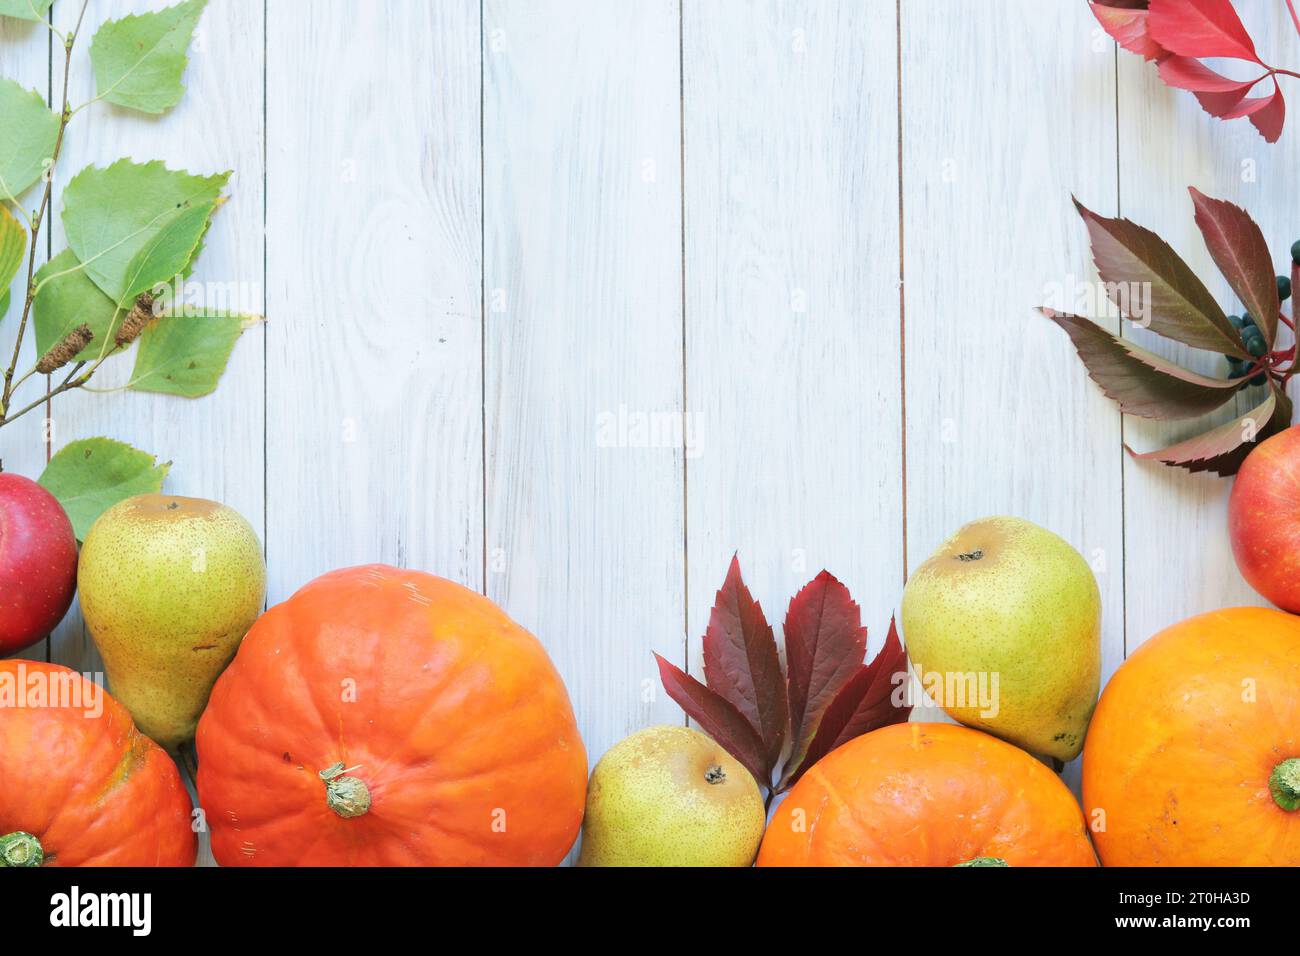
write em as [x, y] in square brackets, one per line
[1179, 559]
[26, 60]
[373, 433]
[792, 302]
[581, 155]
[1004, 118]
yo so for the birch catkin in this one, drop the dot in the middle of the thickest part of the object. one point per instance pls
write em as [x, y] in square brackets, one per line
[65, 350]
[141, 314]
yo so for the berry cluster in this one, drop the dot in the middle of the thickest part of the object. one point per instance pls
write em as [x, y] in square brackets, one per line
[1252, 337]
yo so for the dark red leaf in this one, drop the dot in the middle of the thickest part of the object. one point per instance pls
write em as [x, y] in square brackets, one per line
[864, 704]
[1148, 281]
[1223, 449]
[824, 646]
[1271, 116]
[1242, 255]
[1200, 28]
[717, 718]
[1127, 26]
[1141, 382]
[743, 665]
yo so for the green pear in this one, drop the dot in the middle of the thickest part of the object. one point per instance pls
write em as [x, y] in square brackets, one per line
[1003, 626]
[670, 796]
[169, 587]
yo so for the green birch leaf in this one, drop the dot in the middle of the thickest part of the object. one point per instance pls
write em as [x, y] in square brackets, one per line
[90, 476]
[33, 10]
[66, 302]
[4, 304]
[111, 215]
[186, 355]
[27, 141]
[168, 253]
[139, 59]
[13, 243]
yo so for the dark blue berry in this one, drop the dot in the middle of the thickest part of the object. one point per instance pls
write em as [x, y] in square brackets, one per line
[1255, 345]
[1247, 320]
[1236, 321]
[1259, 379]
[1283, 288]
[1236, 367]
[1295, 251]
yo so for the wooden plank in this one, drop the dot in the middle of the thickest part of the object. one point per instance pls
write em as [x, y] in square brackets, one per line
[1179, 560]
[215, 443]
[26, 49]
[581, 154]
[374, 440]
[792, 302]
[1000, 127]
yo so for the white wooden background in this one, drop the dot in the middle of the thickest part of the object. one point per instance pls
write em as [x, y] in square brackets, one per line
[819, 228]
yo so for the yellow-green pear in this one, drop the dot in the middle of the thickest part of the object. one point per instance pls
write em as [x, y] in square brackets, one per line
[670, 796]
[1003, 627]
[169, 587]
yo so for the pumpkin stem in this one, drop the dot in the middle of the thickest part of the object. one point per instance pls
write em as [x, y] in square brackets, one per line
[1285, 784]
[984, 861]
[347, 796]
[21, 849]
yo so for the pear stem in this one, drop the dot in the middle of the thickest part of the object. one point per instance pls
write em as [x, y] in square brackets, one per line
[20, 849]
[1285, 784]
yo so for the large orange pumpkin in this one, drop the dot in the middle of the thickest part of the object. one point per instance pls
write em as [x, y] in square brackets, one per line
[390, 718]
[1193, 755]
[927, 795]
[79, 785]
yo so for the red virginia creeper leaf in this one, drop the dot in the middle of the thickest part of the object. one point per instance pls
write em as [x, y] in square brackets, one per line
[864, 704]
[824, 646]
[1141, 382]
[1200, 28]
[1186, 73]
[1148, 281]
[717, 718]
[1127, 26]
[1270, 117]
[1223, 449]
[742, 664]
[1240, 252]
[1222, 105]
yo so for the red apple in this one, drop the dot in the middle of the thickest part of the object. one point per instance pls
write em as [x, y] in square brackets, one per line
[1264, 519]
[38, 562]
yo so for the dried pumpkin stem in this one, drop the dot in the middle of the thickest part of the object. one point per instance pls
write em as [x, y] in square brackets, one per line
[20, 849]
[347, 796]
[1285, 784]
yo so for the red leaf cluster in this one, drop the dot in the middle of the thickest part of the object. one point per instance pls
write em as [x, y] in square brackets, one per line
[826, 697]
[1177, 34]
[1175, 303]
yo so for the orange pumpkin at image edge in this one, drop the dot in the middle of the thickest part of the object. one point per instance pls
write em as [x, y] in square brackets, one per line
[1190, 739]
[382, 717]
[79, 784]
[927, 795]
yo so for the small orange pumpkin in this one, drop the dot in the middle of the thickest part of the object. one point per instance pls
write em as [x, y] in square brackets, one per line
[390, 718]
[1193, 755]
[79, 785]
[927, 795]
